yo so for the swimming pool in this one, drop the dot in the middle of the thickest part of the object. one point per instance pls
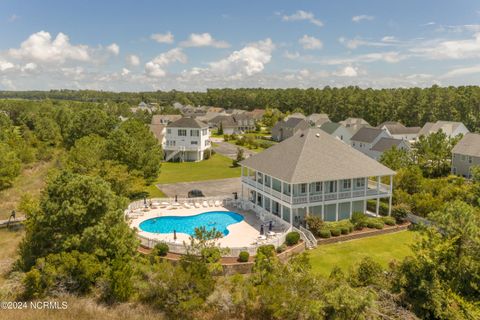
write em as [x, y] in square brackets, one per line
[219, 220]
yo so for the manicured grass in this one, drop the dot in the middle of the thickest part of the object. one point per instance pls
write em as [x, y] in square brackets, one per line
[217, 167]
[382, 248]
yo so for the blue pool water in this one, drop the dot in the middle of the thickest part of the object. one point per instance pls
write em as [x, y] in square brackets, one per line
[219, 220]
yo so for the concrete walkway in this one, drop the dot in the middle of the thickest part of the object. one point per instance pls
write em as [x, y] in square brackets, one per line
[210, 188]
[229, 150]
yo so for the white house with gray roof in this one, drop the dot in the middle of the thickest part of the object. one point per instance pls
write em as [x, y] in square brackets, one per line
[365, 138]
[284, 129]
[338, 131]
[186, 139]
[466, 154]
[386, 144]
[313, 173]
[399, 131]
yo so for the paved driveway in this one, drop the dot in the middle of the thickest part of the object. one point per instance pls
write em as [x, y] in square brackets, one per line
[228, 149]
[210, 188]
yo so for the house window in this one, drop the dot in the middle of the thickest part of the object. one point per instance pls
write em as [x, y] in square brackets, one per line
[193, 142]
[182, 132]
[341, 137]
[469, 159]
[194, 133]
[318, 186]
[204, 132]
[169, 131]
[332, 186]
[303, 188]
[347, 184]
[360, 182]
[353, 144]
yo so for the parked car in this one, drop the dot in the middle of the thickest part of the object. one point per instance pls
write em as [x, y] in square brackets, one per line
[195, 193]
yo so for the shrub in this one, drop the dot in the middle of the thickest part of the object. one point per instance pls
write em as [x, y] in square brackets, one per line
[324, 234]
[161, 249]
[336, 232]
[345, 230]
[267, 250]
[315, 224]
[375, 223]
[389, 220]
[400, 212]
[359, 220]
[292, 238]
[378, 225]
[243, 256]
[281, 248]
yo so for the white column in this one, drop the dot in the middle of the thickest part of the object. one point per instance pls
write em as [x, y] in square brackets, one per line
[323, 200]
[291, 216]
[378, 206]
[351, 197]
[378, 184]
[337, 185]
[390, 198]
[365, 195]
[308, 200]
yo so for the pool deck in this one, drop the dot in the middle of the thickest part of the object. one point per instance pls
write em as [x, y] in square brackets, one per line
[241, 234]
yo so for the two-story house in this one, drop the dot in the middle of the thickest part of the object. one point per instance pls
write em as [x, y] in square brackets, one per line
[466, 154]
[313, 173]
[186, 139]
[338, 131]
[450, 128]
[286, 129]
[399, 131]
[386, 144]
[365, 138]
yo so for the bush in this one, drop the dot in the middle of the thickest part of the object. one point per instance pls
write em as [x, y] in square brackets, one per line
[345, 230]
[267, 250]
[375, 223]
[389, 220]
[315, 224]
[400, 212]
[359, 220]
[161, 249]
[243, 256]
[324, 234]
[336, 232]
[281, 248]
[292, 238]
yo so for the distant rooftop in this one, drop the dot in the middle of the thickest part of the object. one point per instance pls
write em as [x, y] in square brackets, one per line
[187, 122]
[366, 134]
[469, 145]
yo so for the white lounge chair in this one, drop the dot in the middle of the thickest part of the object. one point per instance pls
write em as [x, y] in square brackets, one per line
[205, 204]
[197, 205]
[217, 203]
[210, 203]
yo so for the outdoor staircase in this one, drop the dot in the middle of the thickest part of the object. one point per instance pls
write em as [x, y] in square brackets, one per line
[307, 236]
[173, 154]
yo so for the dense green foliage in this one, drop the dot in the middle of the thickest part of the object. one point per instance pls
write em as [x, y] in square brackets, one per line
[292, 238]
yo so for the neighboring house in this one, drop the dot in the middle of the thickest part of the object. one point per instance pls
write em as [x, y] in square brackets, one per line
[353, 122]
[318, 119]
[450, 128]
[215, 110]
[286, 129]
[338, 131]
[233, 124]
[165, 119]
[186, 139]
[244, 121]
[399, 131]
[385, 144]
[209, 116]
[235, 111]
[257, 114]
[296, 115]
[466, 154]
[158, 131]
[312, 173]
[365, 138]
[142, 106]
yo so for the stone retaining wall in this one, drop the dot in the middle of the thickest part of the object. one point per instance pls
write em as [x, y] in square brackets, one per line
[363, 234]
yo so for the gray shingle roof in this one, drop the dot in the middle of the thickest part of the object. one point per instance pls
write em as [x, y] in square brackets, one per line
[354, 121]
[330, 127]
[366, 134]
[294, 122]
[314, 155]
[157, 118]
[398, 128]
[385, 144]
[448, 127]
[187, 122]
[469, 145]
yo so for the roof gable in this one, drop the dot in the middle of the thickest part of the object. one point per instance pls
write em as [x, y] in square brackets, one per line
[187, 122]
[469, 145]
[367, 134]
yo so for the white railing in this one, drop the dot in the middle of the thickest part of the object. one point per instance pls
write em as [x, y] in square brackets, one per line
[309, 238]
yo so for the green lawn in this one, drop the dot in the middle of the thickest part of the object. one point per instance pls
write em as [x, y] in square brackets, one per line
[217, 167]
[382, 248]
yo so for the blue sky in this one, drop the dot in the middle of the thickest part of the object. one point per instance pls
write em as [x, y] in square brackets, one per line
[194, 45]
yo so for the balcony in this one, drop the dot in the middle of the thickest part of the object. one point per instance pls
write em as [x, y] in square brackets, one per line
[383, 190]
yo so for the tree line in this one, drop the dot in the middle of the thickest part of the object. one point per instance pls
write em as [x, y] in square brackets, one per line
[411, 106]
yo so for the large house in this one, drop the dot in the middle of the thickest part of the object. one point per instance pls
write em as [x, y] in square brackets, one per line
[233, 124]
[466, 154]
[385, 144]
[313, 173]
[365, 138]
[338, 131]
[450, 128]
[186, 139]
[399, 131]
[286, 129]
[165, 118]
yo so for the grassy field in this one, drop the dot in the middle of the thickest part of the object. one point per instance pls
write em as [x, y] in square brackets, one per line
[382, 248]
[31, 181]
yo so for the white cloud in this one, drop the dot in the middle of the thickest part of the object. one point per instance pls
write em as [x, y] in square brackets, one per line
[347, 71]
[114, 49]
[355, 43]
[13, 18]
[163, 37]
[389, 56]
[462, 71]
[203, 40]
[389, 39]
[40, 47]
[450, 49]
[362, 17]
[310, 43]
[133, 60]
[6, 65]
[31, 66]
[291, 55]
[125, 72]
[156, 67]
[303, 15]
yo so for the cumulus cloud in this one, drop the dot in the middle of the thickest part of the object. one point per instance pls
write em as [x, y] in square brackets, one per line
[156, 67]
[114, 49]
[450, 49]
[5, 65]
[41, 47]
[133, 60]
[301, 15]
[203, 40]
[310, 43]
[362, 17]
[125, 72]
[462, 71]
[163, 37]
[355, 43]
[347, 71]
